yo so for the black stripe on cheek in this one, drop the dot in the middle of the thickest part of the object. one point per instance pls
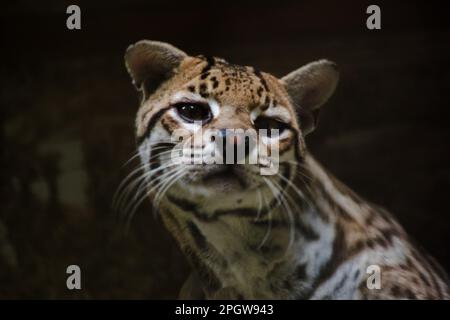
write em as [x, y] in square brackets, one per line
[199, 238]
[151, 124]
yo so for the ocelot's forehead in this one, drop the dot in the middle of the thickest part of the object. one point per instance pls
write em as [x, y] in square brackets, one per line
[231, 84]
[241, 88]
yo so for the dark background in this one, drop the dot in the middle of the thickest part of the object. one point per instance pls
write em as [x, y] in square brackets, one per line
[67, 116]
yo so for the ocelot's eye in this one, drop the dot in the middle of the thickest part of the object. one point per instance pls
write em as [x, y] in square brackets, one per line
[269, 124]
[191, 112]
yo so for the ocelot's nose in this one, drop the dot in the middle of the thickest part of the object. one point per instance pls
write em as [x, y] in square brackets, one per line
[235, 145]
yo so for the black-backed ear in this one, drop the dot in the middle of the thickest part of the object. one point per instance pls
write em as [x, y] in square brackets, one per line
[309, 88]
[149, 63]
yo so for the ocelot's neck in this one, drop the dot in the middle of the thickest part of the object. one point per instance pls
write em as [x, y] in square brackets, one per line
[330, 225]
[284, 254]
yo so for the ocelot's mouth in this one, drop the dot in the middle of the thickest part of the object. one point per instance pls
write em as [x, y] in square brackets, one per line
[226, 174]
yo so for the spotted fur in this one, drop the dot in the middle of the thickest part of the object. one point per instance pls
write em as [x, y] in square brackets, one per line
[301, 235]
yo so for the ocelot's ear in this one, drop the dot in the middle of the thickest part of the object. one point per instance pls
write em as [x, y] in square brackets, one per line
[151, 62]
[309, 88]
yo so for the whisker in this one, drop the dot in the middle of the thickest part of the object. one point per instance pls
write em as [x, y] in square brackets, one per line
[132, 207]
[259, 199]
[301, 167]
[123, 190]
[133, 156]
[155, 145]
[141, 183]
[144, 182]
[295, 188]
[269, 227]
[162, 192]
[288, 213]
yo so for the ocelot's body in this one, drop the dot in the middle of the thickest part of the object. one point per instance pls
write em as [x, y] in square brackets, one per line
[297, 234]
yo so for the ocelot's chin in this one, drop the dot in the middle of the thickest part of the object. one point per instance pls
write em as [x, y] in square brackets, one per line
[220, 184]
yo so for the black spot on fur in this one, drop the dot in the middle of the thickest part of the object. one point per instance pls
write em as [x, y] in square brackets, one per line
[300, 271]
[259, 91]
[287, 284]
[341, 282]
[370, 243]
[409, 294]
[204, 75]
[210, 63]
[203, 90]
[396, 291]
[215, 83]
[382, 242]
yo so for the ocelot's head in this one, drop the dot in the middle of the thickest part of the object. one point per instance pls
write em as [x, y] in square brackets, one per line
[202, 100]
